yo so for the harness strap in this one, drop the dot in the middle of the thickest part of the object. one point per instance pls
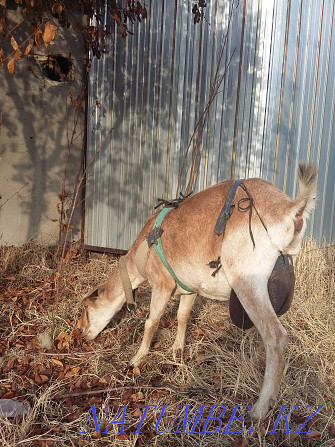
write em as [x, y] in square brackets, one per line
[227, 209]
[249, 208]
[126, 284]
[157, 244]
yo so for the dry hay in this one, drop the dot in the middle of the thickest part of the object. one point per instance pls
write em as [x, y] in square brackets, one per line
[225, 362]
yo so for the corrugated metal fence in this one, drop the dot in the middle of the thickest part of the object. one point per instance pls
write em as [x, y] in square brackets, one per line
[275, 107]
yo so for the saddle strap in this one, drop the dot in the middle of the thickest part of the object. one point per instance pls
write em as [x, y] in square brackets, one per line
[227, 209]
[126, 284]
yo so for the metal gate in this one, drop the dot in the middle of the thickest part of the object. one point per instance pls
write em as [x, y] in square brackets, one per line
[275, 107]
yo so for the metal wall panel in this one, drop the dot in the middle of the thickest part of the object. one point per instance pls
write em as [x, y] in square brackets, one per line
[275, 107]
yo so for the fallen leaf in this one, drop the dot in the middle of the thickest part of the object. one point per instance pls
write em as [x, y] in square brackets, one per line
[37, 38]
[57, 363]
[237, 442]
[49, 33]
[57, 8]
[262, 430]
[28, 49]
[45, 442]
[315, 434]
[8, 395]
[11, 67]
[44, 378]
[162, 392]
[138, 413]
[127, 395]
[87, 347]
[62, 335]
[2, 58]
[75, 415]
[17, 55]
[136, 371]
[14, 43]
[137, 396]
[73, 371]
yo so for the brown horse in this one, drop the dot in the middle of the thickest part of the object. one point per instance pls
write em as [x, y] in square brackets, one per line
[189, 244]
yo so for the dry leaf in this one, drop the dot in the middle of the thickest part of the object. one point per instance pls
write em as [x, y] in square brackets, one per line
[137, 396]
[262, 430]
[57, 8]
[315, 434]
[49, 33]
[127, 395]
[44, 378]
[3, 3]
[73, 371]
[37, 38]
[138, 413]
[17, 55]
[2, 58]
[11, 67]
[116, 16]
[162, 392]
[14, 43]
[7, 395]
[57, 363]
[62, 335]
[28, 49]
[136, 371]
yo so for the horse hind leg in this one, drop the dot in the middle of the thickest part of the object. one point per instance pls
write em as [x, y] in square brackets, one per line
[253, 294]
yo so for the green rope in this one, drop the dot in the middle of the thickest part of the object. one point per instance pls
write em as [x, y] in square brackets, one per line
[159, 249]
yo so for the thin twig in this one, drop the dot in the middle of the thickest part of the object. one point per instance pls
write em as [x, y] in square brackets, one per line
[78, 189]
[203, 120]
[13, 195]
[164, 386]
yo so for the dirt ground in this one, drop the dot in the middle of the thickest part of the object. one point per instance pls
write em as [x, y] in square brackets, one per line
[68, 381]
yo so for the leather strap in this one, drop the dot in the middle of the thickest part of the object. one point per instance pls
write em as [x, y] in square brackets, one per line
[126, 284]
[157, 244]
[227, 209]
